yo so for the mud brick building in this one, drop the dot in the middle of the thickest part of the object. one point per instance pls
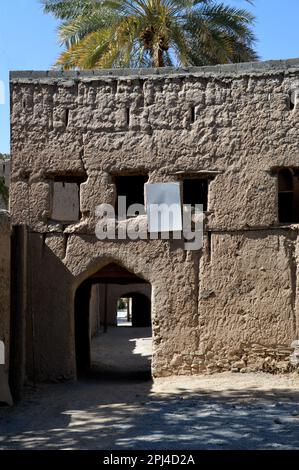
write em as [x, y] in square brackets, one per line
[229, 135]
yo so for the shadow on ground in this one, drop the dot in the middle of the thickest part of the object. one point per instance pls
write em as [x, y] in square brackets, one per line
[129, 413]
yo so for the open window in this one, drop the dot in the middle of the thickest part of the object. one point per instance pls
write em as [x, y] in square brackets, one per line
[130, 186]
[195, 191]
[288, 195]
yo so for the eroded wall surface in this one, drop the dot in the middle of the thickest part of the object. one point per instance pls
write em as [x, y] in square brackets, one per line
[231, 305]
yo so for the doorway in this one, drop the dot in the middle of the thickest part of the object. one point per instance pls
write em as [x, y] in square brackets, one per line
[134, 309]
[113, 334]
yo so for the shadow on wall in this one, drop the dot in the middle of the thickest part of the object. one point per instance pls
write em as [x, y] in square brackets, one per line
[129, 415]
[5, 395]
[49, 317]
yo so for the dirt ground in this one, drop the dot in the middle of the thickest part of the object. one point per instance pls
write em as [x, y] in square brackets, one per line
[223, 411]
[122, 349]
[118, 407]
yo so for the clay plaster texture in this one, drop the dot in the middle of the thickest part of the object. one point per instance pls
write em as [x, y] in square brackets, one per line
[232, 305]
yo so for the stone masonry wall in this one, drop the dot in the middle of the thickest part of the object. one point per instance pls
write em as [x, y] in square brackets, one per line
[233, 304]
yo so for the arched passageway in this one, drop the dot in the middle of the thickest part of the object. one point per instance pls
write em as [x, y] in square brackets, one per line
[103, 343]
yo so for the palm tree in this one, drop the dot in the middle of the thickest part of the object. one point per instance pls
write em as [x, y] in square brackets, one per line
[151, 33]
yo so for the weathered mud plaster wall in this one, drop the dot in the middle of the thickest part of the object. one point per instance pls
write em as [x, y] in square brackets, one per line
[5, 302]
[231, 305]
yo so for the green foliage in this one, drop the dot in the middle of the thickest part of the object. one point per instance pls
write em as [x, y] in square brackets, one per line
[144, 33]
[122, 303]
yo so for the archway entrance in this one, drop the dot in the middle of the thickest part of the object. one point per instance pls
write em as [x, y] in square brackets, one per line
[113, 324]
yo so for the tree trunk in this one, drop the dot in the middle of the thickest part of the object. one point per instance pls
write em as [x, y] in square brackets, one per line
[157, 58]
[160, 58]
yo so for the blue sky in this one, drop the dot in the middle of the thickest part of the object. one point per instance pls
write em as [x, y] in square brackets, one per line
[28, 39]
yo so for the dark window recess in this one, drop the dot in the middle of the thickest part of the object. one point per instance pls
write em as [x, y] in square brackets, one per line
[288, 196]
[192, 114]
[132, 187]
[67, 117]
[292, 101]
[128, 116]
[195, 191]
[292, 105]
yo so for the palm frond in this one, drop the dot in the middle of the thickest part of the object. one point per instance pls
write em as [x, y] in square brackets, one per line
[115, 33]
[69, 9]
[87, 52]
[73, 31]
